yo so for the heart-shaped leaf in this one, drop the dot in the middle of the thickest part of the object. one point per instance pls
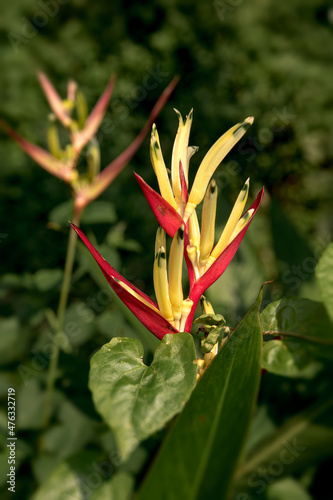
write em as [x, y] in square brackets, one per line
[200, 453]
[134, 399]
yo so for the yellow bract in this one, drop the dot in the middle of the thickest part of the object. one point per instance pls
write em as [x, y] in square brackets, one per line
[175, 273]
[180, 154]
[231, 224]
[211, 161]
[161, 285]
[208, 223]
[160, 168]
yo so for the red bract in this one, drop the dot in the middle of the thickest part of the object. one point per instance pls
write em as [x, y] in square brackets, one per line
[142, 306]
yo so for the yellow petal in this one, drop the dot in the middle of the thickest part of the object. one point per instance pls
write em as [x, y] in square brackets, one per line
[161, 284]
[136, 295]
[160, 168]
[212, 160]
[175, 273]
[180, 153]
[231, 224]
[160, 240]
[193, 253]
[241, 224]
[208, 223]
[186, 309]
[194, 230]
[206, 305]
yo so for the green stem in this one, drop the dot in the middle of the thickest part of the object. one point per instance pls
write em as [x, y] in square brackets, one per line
[65, 287]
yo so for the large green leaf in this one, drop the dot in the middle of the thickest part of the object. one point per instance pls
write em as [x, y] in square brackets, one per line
[134, 399]
[200, 454]
[289, 358]
[324, 274]
[307, 334]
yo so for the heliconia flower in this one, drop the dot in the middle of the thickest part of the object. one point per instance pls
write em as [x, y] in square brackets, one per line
[206, 261]
[90, 192]
[62, 162]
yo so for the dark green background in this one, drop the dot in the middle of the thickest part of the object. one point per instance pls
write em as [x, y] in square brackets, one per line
[235, 58]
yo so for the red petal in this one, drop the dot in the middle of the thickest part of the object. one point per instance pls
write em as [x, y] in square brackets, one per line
[110, 172]
[106, 268]
[220, 265]
[40, 156]
[166, 215]
[95, 118]
[152, 320]
[54, 100]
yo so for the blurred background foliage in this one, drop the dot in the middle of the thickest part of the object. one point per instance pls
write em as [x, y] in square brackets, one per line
[235, 59]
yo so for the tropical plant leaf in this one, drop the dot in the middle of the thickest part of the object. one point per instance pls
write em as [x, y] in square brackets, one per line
[305, 329]
[134, 399]
[289, 358]
[200, 454]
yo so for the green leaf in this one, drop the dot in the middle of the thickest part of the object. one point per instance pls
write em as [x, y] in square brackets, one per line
[70, 434]
[137, 400]
[119, 487]
[62, 213]
[308, 326]
[45, 279]
[199, 456]
[79, 323]
[116, 239]
[14, 340]
[210, 319]
[324, 275]
[31, 415]
[76, 478]
[289, 358]
[287, 488]
[97, 212]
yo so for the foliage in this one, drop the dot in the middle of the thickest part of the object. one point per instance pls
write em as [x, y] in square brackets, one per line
[235, 59]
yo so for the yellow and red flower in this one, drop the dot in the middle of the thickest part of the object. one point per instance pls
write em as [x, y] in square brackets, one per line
[175, 210]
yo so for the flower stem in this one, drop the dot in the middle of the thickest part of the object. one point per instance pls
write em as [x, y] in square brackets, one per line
[66, 282]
